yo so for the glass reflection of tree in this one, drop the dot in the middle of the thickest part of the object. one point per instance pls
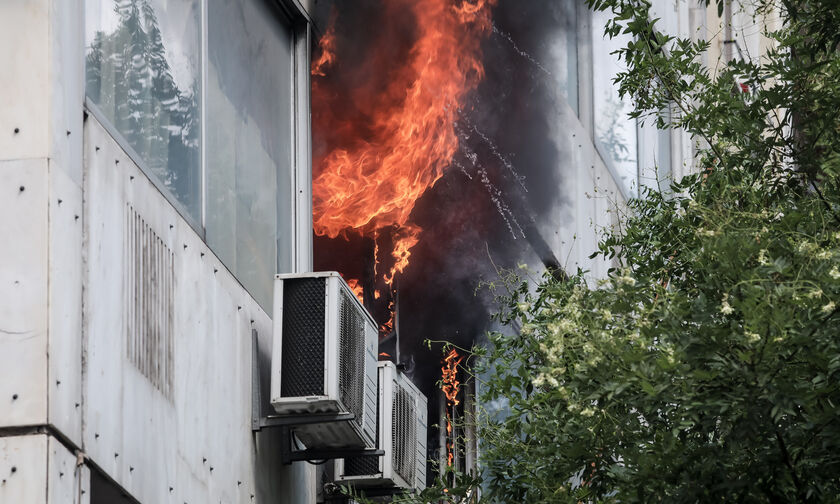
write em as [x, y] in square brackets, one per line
[129, 77]
[611, 132]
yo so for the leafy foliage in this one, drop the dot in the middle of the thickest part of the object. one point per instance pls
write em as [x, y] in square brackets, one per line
[706, 367]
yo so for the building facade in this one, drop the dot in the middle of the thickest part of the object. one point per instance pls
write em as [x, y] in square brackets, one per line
[159, 153]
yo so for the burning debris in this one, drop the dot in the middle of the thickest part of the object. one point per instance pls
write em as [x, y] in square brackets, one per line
[451, 386]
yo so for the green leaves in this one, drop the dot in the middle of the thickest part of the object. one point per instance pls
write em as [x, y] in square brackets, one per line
[706, 367]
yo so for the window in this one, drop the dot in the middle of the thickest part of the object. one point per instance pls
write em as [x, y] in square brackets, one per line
[143, 74]
[208, 114]
[562, 49]
[655, 155]
[615, 132]
[249, 132]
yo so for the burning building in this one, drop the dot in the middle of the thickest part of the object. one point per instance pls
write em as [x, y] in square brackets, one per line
[519, 151]
[158, 169]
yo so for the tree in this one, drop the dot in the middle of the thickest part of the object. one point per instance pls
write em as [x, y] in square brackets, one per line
[706, 367]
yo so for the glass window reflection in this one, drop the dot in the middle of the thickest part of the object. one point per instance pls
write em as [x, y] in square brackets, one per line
[562, 49]
[249, 139]
[143, 73]
[615, 132]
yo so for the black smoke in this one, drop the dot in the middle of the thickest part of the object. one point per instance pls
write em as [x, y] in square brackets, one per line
[484, 213]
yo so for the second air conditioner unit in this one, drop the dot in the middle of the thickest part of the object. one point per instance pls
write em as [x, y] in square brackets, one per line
[402, 430]
[324, 360]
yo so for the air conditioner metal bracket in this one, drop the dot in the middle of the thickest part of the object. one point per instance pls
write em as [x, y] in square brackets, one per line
[286, 423]
[334, 492]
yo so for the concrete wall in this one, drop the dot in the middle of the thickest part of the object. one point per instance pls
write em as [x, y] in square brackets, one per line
[590, 199]
[40, 183]
[198, 440]
[36, 468]
[67, 384]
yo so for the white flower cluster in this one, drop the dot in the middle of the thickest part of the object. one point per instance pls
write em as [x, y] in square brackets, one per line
[806, 247]
[625, 278]
[725, 307]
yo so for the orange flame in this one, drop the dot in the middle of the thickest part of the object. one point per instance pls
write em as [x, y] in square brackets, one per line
[374, 178]
[357, 289]
[405, 238]
[386, 328]
[327, 47]
[450, 387]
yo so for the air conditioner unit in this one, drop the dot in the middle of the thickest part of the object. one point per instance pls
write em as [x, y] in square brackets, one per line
[324, 360]
[402, 436]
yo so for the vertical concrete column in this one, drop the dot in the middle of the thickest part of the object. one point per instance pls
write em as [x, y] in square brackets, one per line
[38, 469]
[41, 114]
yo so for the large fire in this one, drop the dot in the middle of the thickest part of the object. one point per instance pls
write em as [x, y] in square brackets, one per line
[400, 139]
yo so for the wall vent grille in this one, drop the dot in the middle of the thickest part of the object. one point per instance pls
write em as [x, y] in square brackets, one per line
[149, 302]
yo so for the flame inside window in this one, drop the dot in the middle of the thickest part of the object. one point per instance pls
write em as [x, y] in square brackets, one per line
[384, 149]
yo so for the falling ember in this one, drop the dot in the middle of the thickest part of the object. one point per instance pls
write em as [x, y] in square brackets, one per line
[450, 387]
[378, 162]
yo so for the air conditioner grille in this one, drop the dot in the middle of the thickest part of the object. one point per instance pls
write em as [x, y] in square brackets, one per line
[351, 357]
[403, 433]
[361, 466]
[302, 362]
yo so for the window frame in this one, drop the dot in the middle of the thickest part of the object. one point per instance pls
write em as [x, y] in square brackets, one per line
[298, 21]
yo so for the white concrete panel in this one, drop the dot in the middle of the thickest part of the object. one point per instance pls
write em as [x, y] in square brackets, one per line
[66, 85]
[198, 441]
[65, 303]
[587, 191]
[83, 478]
[24, 107]
[23, 292]
[64, 478]
[23, 475]
[103, 341]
